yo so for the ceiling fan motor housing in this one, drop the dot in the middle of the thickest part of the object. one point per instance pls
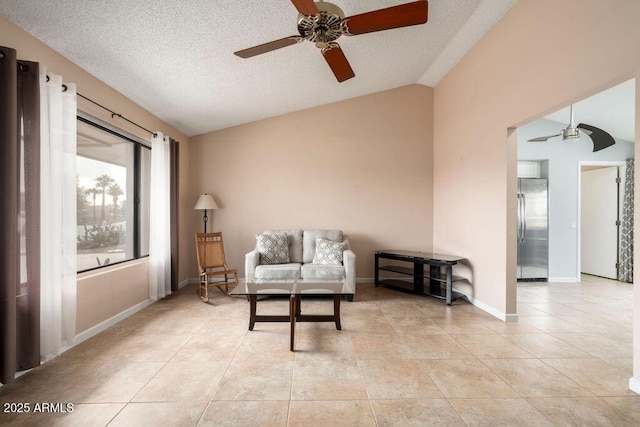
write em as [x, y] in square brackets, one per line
[324, 27]
[570, 132]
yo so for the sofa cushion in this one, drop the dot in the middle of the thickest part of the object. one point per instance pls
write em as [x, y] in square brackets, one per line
[294, 238]
[313, 271]
[309, 241]
[328, 252]
[273, 248]
[278, 272]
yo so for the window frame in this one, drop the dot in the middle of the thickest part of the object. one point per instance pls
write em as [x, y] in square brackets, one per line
[138, 145]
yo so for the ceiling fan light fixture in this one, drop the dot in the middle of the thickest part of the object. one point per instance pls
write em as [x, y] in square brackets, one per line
[321, 38]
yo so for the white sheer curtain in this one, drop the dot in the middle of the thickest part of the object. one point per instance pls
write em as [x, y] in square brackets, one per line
[160, 226]
[58, 215]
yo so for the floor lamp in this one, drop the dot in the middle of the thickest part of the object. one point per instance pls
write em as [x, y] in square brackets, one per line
[205, 203]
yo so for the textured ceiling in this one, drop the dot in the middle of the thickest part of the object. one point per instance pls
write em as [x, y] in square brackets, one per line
[175, 58]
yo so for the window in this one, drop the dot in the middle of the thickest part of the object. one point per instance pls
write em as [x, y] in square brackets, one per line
[112, 195]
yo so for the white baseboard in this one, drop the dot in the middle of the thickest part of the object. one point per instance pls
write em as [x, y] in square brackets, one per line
[634, 385]
[511, 317]
[95, 330]
[563, 279]
[505, 317]
[186, 282]
[492, 311]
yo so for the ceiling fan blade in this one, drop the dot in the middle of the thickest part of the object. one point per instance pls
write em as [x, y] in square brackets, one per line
[268, 47]
[403, 15]
[338, 62]
[543, 138]
[306, 7]
[600, 138]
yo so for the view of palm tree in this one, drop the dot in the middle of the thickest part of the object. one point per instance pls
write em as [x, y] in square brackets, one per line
[92, 200]
[102, 183]
[114, 191]
[93, 192]
[101, 235]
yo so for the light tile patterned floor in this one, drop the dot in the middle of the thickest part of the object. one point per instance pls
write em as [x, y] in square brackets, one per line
[399, 360]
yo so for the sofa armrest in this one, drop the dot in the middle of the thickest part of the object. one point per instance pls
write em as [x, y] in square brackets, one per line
[251, 260]
[349, 262]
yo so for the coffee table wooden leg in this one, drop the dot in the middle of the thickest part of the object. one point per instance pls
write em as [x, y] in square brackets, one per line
[252, 311]
[336, 311]
[292, 318]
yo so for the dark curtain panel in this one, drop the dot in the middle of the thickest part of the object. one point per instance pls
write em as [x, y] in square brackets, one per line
[174, 190]
[9, 190]
[625, 264]
[19, 216]
[28, 299]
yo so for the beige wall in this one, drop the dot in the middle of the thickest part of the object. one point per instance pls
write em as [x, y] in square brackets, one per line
[105, 293]
[544, 54]
[363, 165]
[89, 287]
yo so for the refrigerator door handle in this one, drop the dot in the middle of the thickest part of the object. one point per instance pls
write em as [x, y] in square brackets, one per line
[519, 218]
[524, 222]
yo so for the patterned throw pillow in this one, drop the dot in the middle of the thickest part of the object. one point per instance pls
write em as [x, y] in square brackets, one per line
[328, 252]
[273, 248]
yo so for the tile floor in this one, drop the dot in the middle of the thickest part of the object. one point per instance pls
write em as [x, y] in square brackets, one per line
[399, 360]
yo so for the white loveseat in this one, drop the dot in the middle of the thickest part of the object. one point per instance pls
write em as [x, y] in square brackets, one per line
[301, 248]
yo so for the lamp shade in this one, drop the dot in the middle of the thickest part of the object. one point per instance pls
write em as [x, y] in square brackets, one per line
[205, 202]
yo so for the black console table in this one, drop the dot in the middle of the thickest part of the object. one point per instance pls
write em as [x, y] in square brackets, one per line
[440, 276]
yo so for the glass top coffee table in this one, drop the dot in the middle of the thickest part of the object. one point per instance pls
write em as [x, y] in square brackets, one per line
[295, 289]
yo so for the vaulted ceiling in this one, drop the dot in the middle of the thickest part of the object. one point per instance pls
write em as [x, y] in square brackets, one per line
[175, 58]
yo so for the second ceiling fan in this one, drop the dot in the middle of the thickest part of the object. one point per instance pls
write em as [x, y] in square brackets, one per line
[600, 138]
[322, 23]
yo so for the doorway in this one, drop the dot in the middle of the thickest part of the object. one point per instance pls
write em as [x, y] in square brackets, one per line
[601, 194]
[544, 139]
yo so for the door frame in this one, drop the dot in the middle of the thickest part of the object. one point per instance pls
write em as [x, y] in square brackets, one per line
[582, 163]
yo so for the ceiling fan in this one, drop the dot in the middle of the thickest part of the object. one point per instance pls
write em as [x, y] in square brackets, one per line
[322, 23]
[600, 138]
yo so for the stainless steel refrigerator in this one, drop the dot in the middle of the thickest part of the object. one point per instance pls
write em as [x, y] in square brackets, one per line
[533, 229]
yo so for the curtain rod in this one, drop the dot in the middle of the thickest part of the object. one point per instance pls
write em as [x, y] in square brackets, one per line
[114, 114]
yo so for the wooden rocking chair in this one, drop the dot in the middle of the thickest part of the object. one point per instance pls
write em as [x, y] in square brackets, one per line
[212, 265]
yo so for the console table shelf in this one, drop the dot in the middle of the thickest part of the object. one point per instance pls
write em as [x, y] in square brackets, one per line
[397, 269]
[437, 283]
